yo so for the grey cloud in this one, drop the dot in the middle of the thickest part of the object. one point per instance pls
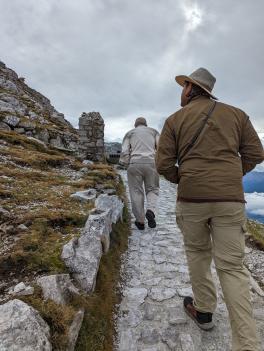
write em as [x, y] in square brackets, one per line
[120, 57]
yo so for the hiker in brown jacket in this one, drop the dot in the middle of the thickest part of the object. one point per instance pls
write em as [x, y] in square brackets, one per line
[206, 147]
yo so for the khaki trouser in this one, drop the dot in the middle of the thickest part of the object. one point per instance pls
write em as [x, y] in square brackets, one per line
[139, 174]
[216, 230]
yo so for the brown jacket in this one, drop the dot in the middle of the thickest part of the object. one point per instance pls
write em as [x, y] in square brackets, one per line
[227, 148]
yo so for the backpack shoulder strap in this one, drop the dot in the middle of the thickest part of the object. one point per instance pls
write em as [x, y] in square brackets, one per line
[192, 142]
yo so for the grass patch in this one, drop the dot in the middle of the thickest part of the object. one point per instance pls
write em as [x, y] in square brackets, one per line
[97, 331]
[38, 196]
[58, 317]
[256, 231]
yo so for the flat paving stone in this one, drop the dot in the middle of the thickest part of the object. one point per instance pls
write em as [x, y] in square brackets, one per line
[151, 315]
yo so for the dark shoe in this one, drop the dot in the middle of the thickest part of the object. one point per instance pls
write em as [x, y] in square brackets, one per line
[151, 219]
[203, 320]
[140, 226]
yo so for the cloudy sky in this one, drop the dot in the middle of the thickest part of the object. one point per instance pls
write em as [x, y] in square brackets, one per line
[120, 57]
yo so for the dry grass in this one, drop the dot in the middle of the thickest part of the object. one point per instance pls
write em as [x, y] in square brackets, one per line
[58, 317]
[35, 187]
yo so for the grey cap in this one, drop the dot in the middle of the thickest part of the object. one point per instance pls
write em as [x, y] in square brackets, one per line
[201, 77]
[140, 121]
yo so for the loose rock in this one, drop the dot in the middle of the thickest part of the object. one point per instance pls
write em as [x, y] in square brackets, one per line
[22, 328]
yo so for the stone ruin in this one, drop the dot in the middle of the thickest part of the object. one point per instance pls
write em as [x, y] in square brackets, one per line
[91, 134]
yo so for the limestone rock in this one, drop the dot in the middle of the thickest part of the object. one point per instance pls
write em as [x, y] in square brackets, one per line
[74, 330]
[27, 124]
[82, 257]
[58, 287]
[186, 342]
[87, 162]
[4, 214]
[255, 286]
[99, 224]
[26, 109]
[57, 142]
[86, 195]
[4, 126]
[161, 294]
[11, 120]
[22, 328]
[37, 141]
[22, 290]
[22, 227]
[104, 202]
[19, 130]
[171, 337]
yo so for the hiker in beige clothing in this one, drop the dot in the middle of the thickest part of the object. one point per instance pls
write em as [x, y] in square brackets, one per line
[206, 147]
[138, 153]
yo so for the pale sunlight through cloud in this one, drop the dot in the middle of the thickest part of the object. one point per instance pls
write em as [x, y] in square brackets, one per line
[193, 15]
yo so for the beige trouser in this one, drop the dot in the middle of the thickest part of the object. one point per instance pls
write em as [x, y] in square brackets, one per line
[216, 230]
[139, 174]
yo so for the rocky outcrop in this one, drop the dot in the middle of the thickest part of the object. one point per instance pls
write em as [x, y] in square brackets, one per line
[91, 133]
[28, 112]
[82, 255]
[86, 195]
[21, 290]
[74, 330]
[58, 288]
[22, 328]
[105, 202]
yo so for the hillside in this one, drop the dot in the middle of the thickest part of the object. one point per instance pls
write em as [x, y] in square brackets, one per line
[42, 211]
[29, 113]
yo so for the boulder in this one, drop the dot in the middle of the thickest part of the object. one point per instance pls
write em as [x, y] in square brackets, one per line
[99, 224]
[27, 124]
[4, 214]
[22, 328]
[36, 140]
[58, 287]
[87, 162]
[74, 330]
[4, 126]
[57, 142]
[19, 130]
[22, 227]
[22, 290]
[82, 257]
[84, 196]
[104, 202]
[11, 120]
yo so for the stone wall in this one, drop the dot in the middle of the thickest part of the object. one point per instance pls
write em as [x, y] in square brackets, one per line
[91, 135]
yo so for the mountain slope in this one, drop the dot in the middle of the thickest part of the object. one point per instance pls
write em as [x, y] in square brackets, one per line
[28, 112]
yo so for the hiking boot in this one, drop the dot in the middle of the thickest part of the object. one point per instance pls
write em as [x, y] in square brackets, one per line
[140, 226]
[151, 219]
[203, 320]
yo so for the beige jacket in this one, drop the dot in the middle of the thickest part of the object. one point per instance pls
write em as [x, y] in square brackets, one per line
[139, 145]
[227, 148]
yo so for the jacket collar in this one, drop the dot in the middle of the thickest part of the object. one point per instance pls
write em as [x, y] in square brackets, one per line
[199, 97]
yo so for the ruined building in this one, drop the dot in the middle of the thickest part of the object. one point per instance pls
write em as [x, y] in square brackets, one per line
[91, 136]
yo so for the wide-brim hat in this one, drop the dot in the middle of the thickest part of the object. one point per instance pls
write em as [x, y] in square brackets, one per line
[201, 77]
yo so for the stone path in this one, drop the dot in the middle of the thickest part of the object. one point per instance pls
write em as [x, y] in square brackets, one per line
[151, 317]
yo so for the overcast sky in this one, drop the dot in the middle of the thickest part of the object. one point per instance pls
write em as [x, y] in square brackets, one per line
[120, 57]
